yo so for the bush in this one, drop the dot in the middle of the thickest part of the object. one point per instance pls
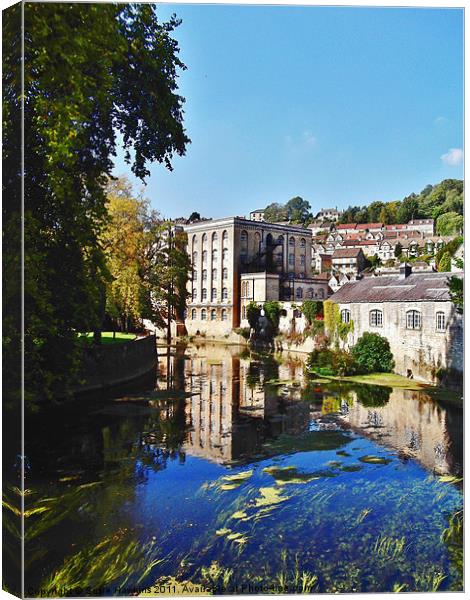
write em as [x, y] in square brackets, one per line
[244, 332]
[272, 310]
[253, 311]
[343, 363]
[372, 354]
[312, 310]
[331, 362]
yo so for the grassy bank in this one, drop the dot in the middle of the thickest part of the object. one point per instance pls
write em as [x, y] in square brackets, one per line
[107, 337]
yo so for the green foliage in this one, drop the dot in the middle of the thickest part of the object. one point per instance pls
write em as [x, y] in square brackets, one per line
[455, 285]
[296, 210]
[91, 72]
[445, 262]
[253, 312]
[331, 362]
[372, 354]
[312, 310]
[272, 310]
[449, 223]
[398, 250]
[451, 248]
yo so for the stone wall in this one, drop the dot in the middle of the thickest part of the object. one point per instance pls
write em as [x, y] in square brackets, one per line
[107, 366]
[424, 350]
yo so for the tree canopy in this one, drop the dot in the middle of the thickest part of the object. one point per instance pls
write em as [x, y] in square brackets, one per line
[93, 74]
[296, 210]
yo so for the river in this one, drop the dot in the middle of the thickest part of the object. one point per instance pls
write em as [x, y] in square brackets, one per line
[235, 473]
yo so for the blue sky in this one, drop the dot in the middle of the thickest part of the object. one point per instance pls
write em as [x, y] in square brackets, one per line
[337, 105]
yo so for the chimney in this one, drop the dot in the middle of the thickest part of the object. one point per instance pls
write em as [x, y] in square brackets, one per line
[405, 270]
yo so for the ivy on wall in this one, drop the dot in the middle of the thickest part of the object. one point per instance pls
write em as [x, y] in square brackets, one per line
[334, 326]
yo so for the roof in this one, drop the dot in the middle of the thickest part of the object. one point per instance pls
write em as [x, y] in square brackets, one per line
[417, 287]
[257, 210]
[346, 226]
[396, 226]
[369, 226]
[346, 252]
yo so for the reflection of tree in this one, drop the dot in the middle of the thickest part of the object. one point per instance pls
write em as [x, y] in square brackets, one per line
[372, 395]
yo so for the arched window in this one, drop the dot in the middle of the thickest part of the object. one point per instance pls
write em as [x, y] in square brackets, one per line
[194, 275]
[204, 256]
[224, 293]
[194, 314]
[194, 293]
[299, 292]
[224, 314]
[440, 321]
[204, 293]
[375, 318]
[292, 259]
[203, 314]
[213, 294]
[194, 257]
[302, 260]
[214, 274]
[225, 235]
[225, 273]
[310, 293]
[321, 293]
[225, 254]
[204, 274]
[214, 237]
[244, 236]
[204, 238]
[345, 315]
[413, 319]
[213, 314]
[291, 241]
[214, 255]
[280, 239]
[194, 240]
[302, 242]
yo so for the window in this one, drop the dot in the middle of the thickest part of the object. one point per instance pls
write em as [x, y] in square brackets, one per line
[224, 273]
[291, 259]
[213, 294]
[204, 294]
[291, 242]
[299, 292]
[194, 257]
[225, 235]
[194, 275]
[225, 254]
[204, 239]
[194, 314]
[214, 273]
[213, 314]
[440, 321]
[224, 314]
[204, 274]
[321, 293]
[376, 318]
[278, 259]
[310, 293]
[194, 293]
[244, 236]
[214, 255]
[413, 319]
[243, 312]
[224, 293]
[302, 260]
[345, 315]
[302, 242]
[203, 314]
[214, 237]
[204, 256]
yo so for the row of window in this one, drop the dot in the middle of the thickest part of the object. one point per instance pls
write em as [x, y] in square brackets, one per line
[213, 294]
[214, 237]
[214, 274]
[212, 314]
[413, 319]
[214, 255]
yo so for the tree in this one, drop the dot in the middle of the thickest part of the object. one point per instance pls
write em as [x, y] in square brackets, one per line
[272, 310]
[409, 209]
[398, 250]
[253, 312]
[455, 285]
[373, 212]
[275, 212]
[372, 354]
[449, 223]
[91, 72]
[445, 262]
[298, 210]
[194, 216]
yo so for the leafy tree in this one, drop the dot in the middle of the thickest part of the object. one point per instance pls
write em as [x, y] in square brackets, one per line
[312, 309]
[91, 72]
[398, 249]
[408, 209]
[445, 262]
[298, 210]
[373, 211]
[449, 223]
[253, 312]
[455, 285]
[194, 216]
[372, 354]
[275, 212]
[272, 310]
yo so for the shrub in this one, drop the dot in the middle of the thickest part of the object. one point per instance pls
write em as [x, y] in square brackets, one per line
[312, 310]
[372, 354]
[343, 363]
[272, 310]
[244, 332]
[331, 362]
[253, 311]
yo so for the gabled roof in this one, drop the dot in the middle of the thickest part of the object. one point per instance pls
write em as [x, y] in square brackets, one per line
[417, 287]
[346, 226]
[369, 226]
[346, 252]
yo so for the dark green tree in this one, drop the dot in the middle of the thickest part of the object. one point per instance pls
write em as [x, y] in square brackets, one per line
[92, 72]
[298, 210]
[372, 354]
[398, 250]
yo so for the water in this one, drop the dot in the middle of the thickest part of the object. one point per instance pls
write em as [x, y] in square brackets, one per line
[236, 474]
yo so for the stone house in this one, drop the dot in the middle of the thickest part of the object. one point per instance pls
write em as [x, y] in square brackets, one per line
[415, 313]
[350, 261]
[425, 226]
[257, 214]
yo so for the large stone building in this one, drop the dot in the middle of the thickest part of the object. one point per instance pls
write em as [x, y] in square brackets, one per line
[415, 313]
[274, 262]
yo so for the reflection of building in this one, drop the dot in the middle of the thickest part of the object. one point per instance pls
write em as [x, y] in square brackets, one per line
[231, 411]
[413, 424]
[223, 250]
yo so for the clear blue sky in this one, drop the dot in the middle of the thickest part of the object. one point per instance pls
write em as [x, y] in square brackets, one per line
[337, 105]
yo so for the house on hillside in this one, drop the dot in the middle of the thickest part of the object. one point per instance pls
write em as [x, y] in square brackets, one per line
[257, 214]
[415, 313]
[350, 261]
